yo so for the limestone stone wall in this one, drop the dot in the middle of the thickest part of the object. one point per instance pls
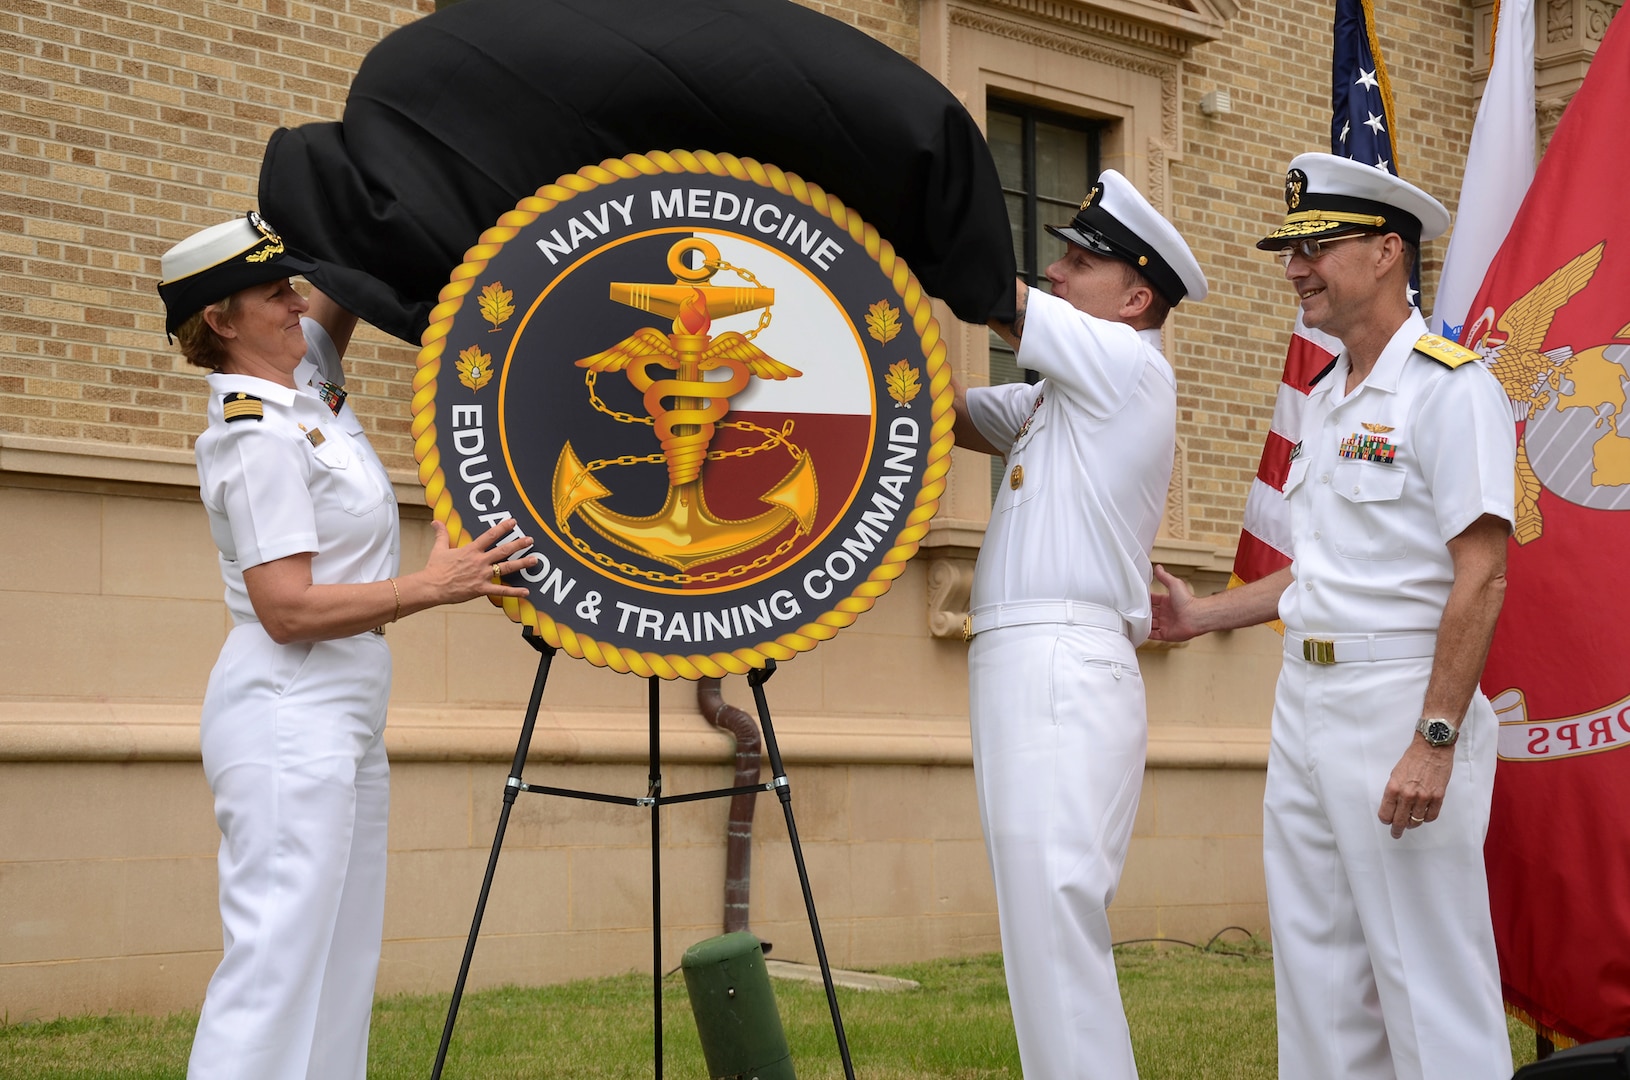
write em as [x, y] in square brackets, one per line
[110, 618]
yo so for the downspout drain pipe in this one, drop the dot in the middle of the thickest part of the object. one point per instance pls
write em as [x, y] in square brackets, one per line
[738, 874]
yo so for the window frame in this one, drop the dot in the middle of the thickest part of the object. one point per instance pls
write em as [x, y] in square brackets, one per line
[1029, 115]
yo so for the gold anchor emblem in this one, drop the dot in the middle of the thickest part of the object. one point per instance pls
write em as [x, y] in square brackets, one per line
[685, 411]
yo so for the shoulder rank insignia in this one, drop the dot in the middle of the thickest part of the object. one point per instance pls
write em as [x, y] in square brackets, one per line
[242, 406]
[1444, 351]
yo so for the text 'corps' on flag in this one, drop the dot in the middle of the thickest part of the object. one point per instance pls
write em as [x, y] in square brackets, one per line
[1361, 129]
[1552, 320]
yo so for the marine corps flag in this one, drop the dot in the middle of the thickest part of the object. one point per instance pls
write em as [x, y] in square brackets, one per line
[453, 119]
[1552, 320]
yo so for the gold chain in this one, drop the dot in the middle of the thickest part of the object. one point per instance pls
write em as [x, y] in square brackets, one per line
[629, 570]
[589, 378]
[747, 276]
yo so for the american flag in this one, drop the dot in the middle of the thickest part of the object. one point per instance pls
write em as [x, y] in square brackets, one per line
[1361, 129]
[1360, 93]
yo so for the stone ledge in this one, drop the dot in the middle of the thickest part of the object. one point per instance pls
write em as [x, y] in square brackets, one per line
[129, 732]
[1173, 746]
[85, 459]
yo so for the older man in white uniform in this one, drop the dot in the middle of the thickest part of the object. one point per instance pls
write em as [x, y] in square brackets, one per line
[1060, 603]
[1381, 769]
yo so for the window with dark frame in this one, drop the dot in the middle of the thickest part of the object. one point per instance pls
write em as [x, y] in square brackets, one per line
[1046, 161]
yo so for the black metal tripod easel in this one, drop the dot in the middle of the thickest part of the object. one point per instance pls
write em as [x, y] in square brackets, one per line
[655, 800]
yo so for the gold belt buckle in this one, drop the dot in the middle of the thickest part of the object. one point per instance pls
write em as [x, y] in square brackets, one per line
[1318, 651]
[967, 628]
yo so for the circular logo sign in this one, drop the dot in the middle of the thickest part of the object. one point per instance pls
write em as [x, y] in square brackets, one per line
[711, 394]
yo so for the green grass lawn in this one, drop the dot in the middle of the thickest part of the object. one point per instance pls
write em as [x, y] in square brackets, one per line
[1194, 1016]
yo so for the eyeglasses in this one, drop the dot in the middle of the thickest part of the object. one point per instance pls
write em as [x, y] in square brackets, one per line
[1312, 248]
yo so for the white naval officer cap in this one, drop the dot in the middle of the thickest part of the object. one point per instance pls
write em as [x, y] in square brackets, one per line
[1326, 195]
[1116, 221]
[216, 262]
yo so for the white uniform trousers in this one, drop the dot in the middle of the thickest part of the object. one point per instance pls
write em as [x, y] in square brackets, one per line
[292, 739]
[1383, 949]
[1059, 737]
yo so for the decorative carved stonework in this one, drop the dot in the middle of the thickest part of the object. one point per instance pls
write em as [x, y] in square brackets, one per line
[950, 584]
[1086, 50]
[1568, 33]
[1175, 524]
[1558, 20]
[1131, 24]
[1598, 13]
[1549, 115]
[1155, 152]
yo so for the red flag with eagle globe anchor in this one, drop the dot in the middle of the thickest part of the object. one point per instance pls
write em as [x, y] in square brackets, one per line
[1553, 322]
[711, 392]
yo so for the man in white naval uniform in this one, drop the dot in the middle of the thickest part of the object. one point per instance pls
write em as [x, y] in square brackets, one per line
[1381, 767]
[1060, 603]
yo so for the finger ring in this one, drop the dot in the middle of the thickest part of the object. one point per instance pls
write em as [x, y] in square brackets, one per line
[1416, 820]
[497, 573]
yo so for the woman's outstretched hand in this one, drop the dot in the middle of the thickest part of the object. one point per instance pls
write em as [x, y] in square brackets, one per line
[455, 574]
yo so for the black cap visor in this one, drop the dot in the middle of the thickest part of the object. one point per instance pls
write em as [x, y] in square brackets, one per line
[1102, 234]
[1332, 215]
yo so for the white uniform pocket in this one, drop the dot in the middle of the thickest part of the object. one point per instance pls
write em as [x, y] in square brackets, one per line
[1365, 521]
[358, 492]
[1297, 474]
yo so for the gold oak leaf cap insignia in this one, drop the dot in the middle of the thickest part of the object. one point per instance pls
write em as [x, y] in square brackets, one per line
[1444, 351]
[242, 406]
[1092, 196]
[1295, 184]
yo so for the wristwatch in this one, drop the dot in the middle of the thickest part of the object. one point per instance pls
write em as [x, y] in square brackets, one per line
[1437, 731]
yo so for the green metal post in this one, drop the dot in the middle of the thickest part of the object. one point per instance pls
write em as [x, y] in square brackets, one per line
[735, 1010]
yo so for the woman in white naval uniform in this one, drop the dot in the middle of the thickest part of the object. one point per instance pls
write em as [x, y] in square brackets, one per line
[1060, 603]
[293, 719]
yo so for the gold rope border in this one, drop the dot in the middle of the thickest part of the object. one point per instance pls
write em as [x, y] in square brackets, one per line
[915, 302]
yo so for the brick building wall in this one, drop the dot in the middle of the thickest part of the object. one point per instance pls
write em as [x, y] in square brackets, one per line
[126, 126]
[1274, 59]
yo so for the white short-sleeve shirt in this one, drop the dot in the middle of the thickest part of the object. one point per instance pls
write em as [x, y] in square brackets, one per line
[1383, 478]
[301, 477]
[1088, 464]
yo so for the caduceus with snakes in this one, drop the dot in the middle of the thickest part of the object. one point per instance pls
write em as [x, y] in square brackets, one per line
[685, 410]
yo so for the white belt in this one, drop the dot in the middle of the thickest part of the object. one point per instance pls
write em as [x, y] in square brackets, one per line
[1346, 648]
[1026, 612]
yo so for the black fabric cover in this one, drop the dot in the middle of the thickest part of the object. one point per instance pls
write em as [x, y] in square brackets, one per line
[454, 118]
